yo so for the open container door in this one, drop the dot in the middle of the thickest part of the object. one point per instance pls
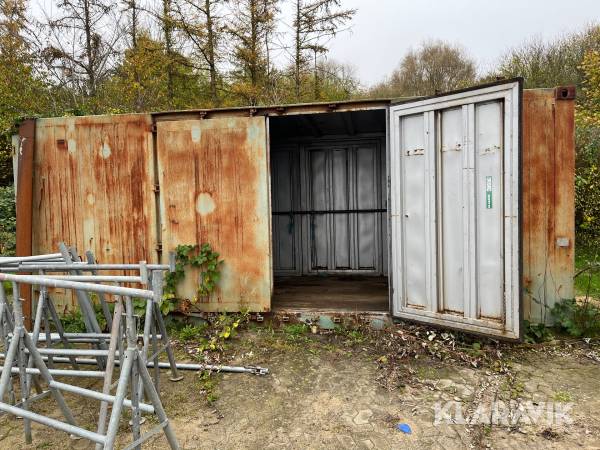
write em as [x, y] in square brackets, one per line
[214, 188]
[455, 209]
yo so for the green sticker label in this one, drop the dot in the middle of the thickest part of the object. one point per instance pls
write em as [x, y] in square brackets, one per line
[488, 192]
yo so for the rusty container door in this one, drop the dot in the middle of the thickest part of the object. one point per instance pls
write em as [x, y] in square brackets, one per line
[214, 184]
[548, 200]
[92, 187]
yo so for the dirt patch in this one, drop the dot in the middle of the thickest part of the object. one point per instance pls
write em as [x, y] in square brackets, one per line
[348, 391]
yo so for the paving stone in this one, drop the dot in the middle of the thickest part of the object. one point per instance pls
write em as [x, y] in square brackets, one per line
[363, 417]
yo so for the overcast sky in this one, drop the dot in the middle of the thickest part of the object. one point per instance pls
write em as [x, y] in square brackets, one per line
[384, 30]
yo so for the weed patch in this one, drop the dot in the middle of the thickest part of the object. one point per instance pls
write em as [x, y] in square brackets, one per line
[579, 319]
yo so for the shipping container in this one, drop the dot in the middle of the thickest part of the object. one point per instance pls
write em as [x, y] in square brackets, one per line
[454, 210]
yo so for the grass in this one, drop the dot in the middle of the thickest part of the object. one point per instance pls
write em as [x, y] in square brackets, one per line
[191, 332]
[588, 282]
[294, 331]
[207, 383]
[562, 397]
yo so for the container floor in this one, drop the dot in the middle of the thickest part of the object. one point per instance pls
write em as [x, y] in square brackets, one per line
[331, 292]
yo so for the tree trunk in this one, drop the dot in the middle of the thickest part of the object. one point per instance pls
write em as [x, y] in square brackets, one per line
[253, 66]
[134, 21]
[89, 51]
[298, 50]
[168, 31]
[316, 78]
[211, 53]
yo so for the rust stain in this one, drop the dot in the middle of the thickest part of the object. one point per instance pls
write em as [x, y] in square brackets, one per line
[93, 187]
[214, 188]
[548, 201]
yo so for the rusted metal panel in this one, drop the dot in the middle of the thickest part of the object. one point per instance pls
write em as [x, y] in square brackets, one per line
[94, 187]
[273, 110]
[548, 201]
[214, 187]
[24, 183]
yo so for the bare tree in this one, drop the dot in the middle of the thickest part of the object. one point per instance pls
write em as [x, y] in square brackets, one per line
[82, 44]
[253, 21]
[200, 20]
[134, 24]
[315, 21]
[167, 23]
[435, 67]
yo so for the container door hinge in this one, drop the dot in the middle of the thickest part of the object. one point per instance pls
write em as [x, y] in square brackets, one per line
[153, 128]
[159, 247]
[156, 188]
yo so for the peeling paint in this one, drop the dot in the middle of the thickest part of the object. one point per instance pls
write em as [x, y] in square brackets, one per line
[72, 146]
[196, 134]
[105, 150]
[205, 204]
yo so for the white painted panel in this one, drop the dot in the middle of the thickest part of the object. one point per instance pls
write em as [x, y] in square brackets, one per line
[489, 201]
[454, 178]
[452, 165]
[415, 225]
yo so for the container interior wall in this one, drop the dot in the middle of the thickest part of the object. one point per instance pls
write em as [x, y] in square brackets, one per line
[329, 207]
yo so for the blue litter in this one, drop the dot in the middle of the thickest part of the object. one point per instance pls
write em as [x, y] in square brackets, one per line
[404, 427]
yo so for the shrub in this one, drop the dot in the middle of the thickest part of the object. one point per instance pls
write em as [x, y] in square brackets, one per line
[579, 319]
[8, 221]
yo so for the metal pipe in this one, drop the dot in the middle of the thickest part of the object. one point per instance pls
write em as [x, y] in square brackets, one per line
[214, 368]
[61, 372]
[72, 352]
[89, 393]
[81, 286]
[115, 416]
[53, 423]
[92, 278]
[89, 267]
[83, 299]
[105, 310]
[56, 337]
[155, 399]
[255, 370]
[110, 365]
[5, 379]
[9, 259]
[45, 374]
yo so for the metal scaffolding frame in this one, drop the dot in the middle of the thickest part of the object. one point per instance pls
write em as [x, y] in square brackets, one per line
[31, 355]
[134, 372]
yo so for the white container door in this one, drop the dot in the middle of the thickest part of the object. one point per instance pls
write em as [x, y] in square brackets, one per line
[455, 187]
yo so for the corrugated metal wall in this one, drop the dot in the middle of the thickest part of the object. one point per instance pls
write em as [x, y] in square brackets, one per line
[548, 202]
[329, 201]
[92, 187]
[454, 164]
[93, 183]
[214, 183]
